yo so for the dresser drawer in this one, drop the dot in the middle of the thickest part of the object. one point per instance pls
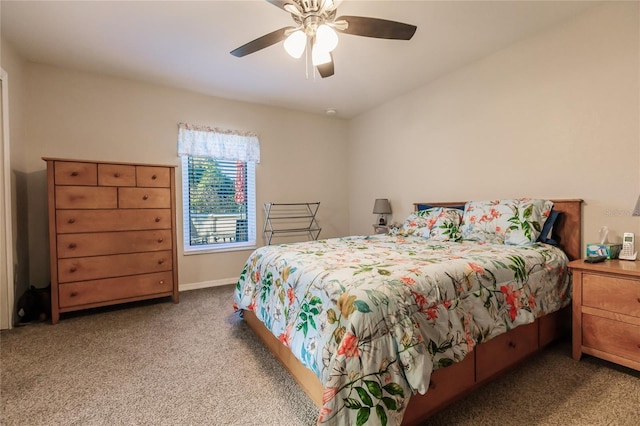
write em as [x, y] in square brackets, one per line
[71, 221]
[117, 265]
[611, 336]
[505, 350]
[144, 198]
[113, 289]
[103, 243]
[116, 175]
[609, 293]
[86, 197]
[72, 173]
[153, 176]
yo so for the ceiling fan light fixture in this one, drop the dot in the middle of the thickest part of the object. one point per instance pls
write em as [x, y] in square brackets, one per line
[296, 43]
[319, 56]
[326, 37]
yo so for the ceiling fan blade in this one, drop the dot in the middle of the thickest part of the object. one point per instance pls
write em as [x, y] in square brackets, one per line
[261, 42]
[326, 70]
[378, 28]
[279, 3]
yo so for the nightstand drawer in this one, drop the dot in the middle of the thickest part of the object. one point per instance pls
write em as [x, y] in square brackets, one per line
[610, 336]
[609, 293]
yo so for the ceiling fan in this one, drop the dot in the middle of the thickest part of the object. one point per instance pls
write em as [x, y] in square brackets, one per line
[315, 31]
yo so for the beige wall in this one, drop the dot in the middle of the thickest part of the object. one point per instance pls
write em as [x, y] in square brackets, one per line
[86, 116]
[554, 116]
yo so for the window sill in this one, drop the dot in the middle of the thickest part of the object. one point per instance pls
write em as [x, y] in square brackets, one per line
[222, 249]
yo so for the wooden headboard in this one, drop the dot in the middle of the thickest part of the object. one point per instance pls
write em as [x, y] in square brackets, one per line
[567, 228]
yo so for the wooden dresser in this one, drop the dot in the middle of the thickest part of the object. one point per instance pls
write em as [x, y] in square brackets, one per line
[112, 233]
[606, 311]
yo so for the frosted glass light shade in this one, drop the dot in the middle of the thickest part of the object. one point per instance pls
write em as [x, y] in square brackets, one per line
[326, 37]
[319, 56]
[295, 43]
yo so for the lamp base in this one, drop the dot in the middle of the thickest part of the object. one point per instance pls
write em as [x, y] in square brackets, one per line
[382, 221]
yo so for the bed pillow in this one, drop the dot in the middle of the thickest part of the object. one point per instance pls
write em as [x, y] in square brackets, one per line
[443, 222]
[511, 221]
[414, 225]
[438, 223]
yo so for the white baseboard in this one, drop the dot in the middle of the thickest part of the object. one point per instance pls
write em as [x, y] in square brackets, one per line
[206, 284]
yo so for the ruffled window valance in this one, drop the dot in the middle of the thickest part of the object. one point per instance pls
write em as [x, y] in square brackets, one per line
[221, 144]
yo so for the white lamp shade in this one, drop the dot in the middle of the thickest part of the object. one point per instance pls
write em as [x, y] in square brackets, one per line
[326, 38]
[319, 56]
[295, 43]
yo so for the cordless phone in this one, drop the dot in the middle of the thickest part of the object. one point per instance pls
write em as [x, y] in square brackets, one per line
[628, 247]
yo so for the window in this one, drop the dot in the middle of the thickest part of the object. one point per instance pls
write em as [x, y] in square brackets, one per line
[218, 189]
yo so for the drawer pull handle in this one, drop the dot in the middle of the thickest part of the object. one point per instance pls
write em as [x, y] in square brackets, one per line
[73, 294]
[145, 197]
[160, 240]
[72, 269]
[638, 299]
[154, 177]
[161, 282]
[74, 174]
[72, 220]
[160, 262]
[157, 219]
[512, 345]
[432, 385]
[72, 246]
[116, 174]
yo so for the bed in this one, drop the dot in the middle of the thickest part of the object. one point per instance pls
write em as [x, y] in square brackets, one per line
[388, 329]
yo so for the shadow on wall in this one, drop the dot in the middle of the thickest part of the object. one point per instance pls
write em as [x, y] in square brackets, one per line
[20, 236]
[31, 223]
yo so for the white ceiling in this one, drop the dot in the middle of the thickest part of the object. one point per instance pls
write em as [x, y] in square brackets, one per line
[186, 44]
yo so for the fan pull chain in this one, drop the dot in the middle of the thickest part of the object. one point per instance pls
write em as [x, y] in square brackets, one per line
[307, 58]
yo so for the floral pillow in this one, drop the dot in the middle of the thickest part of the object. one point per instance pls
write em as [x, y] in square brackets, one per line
[439, 224]
[415, 225]
[513, 221]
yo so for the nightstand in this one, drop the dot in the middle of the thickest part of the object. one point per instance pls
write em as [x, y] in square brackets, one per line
[380, 229]
[606, 311]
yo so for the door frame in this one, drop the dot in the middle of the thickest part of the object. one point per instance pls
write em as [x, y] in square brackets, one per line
[6, 321]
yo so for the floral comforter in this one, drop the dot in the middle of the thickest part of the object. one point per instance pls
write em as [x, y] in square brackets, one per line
[373, 316]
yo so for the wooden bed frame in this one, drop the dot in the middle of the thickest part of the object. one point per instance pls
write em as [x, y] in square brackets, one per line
[487, 361]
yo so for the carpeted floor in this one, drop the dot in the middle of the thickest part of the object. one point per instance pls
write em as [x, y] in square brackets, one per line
[197, 363]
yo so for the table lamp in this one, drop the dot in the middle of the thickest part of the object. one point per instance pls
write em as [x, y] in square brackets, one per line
[382, 207]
